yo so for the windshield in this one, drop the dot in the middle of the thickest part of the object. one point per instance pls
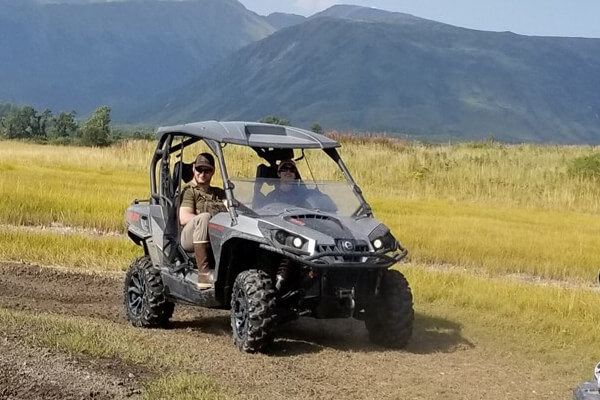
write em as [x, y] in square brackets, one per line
[272, 196]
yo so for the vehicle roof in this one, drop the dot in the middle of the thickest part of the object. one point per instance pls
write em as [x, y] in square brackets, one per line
[253, 134]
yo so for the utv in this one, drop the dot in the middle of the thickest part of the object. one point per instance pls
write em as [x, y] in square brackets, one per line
[322, 254]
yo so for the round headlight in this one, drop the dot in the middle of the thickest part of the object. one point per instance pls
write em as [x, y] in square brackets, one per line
[297, 242]
[378, 244]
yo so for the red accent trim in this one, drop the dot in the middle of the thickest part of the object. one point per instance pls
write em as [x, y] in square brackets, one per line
[133, 216]
[216, 227]
[297, 221]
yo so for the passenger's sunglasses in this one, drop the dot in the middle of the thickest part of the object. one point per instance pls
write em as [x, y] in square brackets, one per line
[287, 169]
[201, 170]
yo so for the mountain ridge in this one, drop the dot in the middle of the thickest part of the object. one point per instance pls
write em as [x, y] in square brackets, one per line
[79, 56]
[348, 67]
[459, 84]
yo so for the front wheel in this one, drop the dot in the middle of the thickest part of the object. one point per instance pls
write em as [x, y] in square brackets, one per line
[144, 299]
[253, 311]
[389, 318]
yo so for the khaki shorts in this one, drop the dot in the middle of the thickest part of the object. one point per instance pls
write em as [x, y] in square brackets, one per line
[195, 231]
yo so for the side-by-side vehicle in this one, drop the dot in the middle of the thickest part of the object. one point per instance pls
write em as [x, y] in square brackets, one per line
[319, 254]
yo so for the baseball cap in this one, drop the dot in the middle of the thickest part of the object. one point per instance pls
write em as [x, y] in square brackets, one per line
[205, 160]
[289, 163]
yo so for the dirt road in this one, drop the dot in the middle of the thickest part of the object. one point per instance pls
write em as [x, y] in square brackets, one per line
[311, 358]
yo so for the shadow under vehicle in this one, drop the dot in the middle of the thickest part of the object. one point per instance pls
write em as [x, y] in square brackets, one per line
[318, 253]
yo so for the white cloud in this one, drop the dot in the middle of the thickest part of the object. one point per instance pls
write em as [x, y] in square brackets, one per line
[313, 6]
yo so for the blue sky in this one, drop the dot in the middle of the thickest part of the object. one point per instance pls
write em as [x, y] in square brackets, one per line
[527, 17]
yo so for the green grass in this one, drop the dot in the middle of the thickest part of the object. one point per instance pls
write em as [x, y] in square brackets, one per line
[499, 240]
[499, 208]
[184, 387]
[109, 340]
[74, 196]
[487, 210]
[72, 250]
[559, 326]
[91, 187]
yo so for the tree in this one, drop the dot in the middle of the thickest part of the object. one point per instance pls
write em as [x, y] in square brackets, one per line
[6, 109]
[14, 125]
[31, 121]
[65, 125]
[25, 123]
[272, 119]
[44, 119]
[317, 128]
[96, 130]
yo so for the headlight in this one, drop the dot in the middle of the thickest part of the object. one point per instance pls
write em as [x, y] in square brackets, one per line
[288, 239]
[382, 239]
[297, 242]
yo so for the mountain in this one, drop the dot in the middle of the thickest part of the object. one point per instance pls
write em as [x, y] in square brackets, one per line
[283, 20]
[348, 68]
[85, 54]
[358, 13]
[406, 75]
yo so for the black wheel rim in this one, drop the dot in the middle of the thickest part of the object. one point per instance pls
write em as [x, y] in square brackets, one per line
[240, 314]
[135, 294]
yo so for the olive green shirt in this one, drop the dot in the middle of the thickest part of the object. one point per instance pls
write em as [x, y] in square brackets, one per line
[202, 200]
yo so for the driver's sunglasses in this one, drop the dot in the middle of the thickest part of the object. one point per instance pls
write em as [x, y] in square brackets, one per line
[287, 169]
[201, 170]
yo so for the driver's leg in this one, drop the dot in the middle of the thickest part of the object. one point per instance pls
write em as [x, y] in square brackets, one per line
[194, 236]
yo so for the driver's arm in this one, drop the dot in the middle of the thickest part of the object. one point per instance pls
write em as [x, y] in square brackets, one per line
[186, 214]
[187, 208]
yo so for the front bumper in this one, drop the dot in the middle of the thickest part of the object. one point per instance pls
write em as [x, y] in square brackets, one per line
[341, 259]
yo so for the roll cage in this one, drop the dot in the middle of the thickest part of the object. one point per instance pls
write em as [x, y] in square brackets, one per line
[270, 142]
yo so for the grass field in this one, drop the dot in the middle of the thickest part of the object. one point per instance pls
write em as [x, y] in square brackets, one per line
[499, 208]
[473, 216]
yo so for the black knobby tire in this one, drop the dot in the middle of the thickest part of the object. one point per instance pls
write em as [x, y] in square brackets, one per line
[253, 311]
[144, 299]
[389, 319]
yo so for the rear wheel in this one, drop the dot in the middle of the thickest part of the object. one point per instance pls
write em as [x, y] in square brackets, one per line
[253, 311]
[144, 299]
[389, 319]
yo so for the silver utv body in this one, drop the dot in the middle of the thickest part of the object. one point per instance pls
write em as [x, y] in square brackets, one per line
[338, 262]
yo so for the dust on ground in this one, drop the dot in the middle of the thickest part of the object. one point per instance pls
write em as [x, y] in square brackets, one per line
[324, 359]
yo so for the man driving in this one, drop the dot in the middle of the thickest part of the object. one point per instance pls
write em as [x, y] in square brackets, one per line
[199, 203]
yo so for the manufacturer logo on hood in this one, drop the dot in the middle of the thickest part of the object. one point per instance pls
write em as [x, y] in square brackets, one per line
[347, 245]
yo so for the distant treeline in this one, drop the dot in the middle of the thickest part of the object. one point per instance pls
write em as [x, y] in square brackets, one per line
[27, 123]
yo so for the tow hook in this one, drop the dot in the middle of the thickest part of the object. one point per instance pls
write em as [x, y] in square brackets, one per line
[347, 297]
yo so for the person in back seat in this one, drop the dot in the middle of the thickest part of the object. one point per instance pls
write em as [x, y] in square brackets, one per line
[200, 202]
[288, 189]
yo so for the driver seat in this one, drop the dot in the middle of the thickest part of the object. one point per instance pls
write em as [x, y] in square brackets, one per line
[181, 172]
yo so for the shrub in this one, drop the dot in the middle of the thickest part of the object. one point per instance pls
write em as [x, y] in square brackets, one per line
[586, 166]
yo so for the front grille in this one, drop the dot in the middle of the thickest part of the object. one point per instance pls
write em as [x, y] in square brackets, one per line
[339, 248]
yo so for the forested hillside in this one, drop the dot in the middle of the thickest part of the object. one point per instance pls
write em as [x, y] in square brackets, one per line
[405, 76]
[346, 68]
[80, 56]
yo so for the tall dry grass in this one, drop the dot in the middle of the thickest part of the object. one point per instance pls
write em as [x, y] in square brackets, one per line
[500, 208]
[490, 209]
